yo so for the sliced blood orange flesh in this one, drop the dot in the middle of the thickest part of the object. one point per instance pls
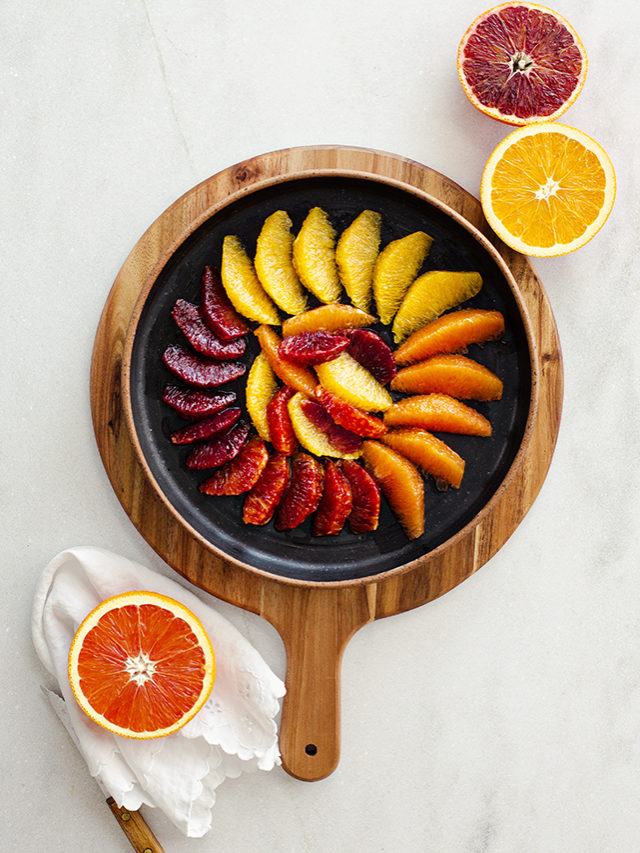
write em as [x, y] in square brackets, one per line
[521, 63]
[141, 665]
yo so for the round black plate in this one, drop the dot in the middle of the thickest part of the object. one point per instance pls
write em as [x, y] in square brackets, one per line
[298, 554]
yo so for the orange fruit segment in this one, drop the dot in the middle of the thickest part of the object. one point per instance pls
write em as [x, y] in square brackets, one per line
[428, 452]
[260, 388]
[273, 262]
[309, 436]
[395, 268]
[356, 255]
[452, 374]
[241, 284]
[437, 412]
[294, 375]
[521, 63]
[401, 484]
[431, 295]
[314, 256]
[328, 318]
[547, 189]
[349, 380]
[451, 332]
[141, 665]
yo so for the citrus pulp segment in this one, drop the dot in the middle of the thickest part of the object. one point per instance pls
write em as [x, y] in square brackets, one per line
[141, 665]
[346, 378]
[260, 388]
[309, 436]
[329, 318]
[427, 451]
[395, 268]
[314, 256]
[430, 295]
[241, 284]
[401, 484]
[274, 264]
[547, 189]
[449, 373]
[356, 255]
[451, 332]
[521, 63]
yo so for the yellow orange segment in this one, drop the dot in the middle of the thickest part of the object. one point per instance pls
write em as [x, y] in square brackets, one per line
[452, 374]
[274, 263]
[260, 388]
[547, 189]
[437, 412]
[294, 375]
[431, 454]
[349, 380]
[401, 484]
[329, 318]
[241, 284]
[309, 436]
[356, 255]
[431, 295]
[395, 268]
[141, 665]
[451, 332]
[314, 256]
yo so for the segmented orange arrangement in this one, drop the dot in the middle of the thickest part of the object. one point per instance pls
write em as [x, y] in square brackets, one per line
[335, 420]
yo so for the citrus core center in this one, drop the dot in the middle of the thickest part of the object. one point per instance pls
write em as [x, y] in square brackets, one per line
[140, 668]
[520, 62]
[547, 190]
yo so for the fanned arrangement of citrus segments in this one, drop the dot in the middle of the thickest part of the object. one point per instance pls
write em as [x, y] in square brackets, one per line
[339, 416]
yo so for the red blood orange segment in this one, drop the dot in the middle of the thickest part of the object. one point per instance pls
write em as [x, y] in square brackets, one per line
[294, 375]
[313, 347]
[207, 427]
[437, 412]
[342, 439]
[451, 332]
[239, 475]
[521, 63]
[330, 318]
[189, 320]
[453, 374]
[281, 431]
[217, 311]
[217, 451]
[365, 495]
[401, 484]
[198, 370]
[141, 665]
[194, 403]
[428, 452]
[303, 493]
[347, 416]
[335, 505]
[373, 353]
[263, 499]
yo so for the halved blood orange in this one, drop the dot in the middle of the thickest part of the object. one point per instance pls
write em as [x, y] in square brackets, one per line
[521, 63]
[141, 665]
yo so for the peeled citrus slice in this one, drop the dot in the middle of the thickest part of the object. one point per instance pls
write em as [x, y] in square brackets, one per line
[547, 189]
[431, 295]
[401, 484]
[356, 255]
[428, 452]
[438, 412]
[294, 375]
[141, 665]
[329, 318]
[349, 380]
[309, 436]
[241, 284]
[314, 256]
[451, 333]
[521, 63]
[450, 373]
[396, 267]
[274, 264]
[261, 386]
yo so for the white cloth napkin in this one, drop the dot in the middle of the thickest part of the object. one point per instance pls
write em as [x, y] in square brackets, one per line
[233, 733]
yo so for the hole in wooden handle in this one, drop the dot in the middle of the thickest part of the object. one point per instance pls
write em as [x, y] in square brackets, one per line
[311, 749]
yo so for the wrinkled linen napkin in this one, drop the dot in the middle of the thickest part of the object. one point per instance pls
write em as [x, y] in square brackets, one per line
[234, 732]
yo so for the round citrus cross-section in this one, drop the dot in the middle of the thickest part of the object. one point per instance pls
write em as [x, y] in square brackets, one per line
[141, 665]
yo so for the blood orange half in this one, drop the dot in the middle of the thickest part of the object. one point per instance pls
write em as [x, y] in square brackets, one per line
[521, 63]
[141, 665]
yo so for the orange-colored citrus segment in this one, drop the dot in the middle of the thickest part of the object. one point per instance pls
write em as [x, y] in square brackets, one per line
[452, 374]
[437, 412]
[314, 256]
[356, 255]
[428, 452]
[349, 380]
[260, 388]
[294, 375]
[451, 332]
[401, 484]
[396, 267]
[309, 436]
[521, 63]
[547, 189]
[141, 665]
[431, 295]
[241, 284]
[274, 263]
[329, 318]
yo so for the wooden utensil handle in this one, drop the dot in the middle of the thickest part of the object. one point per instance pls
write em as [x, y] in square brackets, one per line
[136, 829]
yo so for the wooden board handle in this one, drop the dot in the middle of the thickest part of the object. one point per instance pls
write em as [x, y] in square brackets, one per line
[135, 828]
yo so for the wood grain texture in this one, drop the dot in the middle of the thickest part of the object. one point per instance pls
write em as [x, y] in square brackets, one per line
[316, 619]
[135, 828]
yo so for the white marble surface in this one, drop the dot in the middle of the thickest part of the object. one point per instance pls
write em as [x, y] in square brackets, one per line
[503, 717]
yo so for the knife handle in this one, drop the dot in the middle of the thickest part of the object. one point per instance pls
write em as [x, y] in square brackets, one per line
[134, 827]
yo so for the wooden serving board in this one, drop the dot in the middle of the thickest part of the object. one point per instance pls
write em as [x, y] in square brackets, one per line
[316, 619]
